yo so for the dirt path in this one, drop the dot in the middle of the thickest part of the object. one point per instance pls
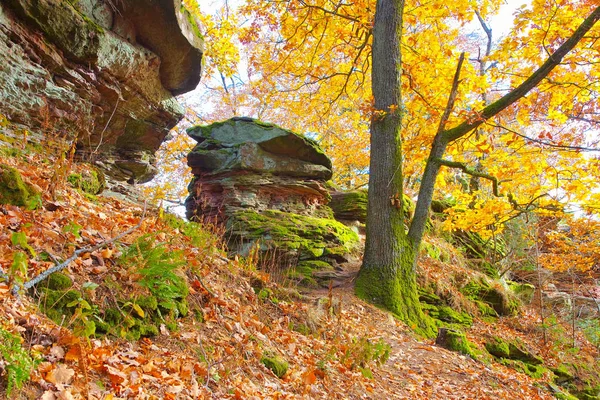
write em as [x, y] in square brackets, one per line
[418, 369]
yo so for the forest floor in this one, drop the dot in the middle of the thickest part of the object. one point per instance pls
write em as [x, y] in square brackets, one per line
[336, 346]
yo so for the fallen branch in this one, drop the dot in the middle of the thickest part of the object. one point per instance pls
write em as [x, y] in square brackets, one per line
[31, 283]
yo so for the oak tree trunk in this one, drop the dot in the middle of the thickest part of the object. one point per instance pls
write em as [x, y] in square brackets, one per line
[387, 276]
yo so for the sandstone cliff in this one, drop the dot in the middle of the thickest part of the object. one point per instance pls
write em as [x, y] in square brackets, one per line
[102, 72]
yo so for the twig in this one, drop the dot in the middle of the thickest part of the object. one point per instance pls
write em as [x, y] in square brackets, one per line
[76, 254]
[106, 127]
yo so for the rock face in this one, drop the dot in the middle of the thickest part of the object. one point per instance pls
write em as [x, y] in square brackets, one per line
[103, 72]
[268, 186]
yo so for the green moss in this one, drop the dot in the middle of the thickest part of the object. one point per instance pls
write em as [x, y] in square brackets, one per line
[498, 348]
[350, 205]
[16, 192]
[57, 281]
[512, 350]
[192, 22]
[395, 291]
[447, 314]
[182, 308]
[300, 328]
[428, 297]
[560, 394]
[90, 182]
[485, 310]
[53, 303]
[504, 303]
[309, 237]
[457, 341]
[303, 272]
[588, 393]
[439, 206]
[147, 302]
[524, 291]
[275, 363]
[532, 370]
[562, 374]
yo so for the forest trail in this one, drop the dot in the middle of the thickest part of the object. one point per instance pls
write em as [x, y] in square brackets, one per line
[417, 368]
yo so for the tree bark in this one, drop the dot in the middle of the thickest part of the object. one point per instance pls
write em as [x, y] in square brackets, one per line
[387, 276]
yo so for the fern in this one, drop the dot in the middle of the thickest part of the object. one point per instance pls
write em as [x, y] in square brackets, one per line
[17, 362]
[157, 266]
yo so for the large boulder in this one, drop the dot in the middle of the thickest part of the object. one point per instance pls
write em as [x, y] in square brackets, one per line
[268, 187]
[102, 72]
[247, 164]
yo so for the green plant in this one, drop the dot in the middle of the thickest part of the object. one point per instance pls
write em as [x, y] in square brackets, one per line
[18, 268]
[20, 239]
[591, 330]
[73, 228]
[82, 317]
[17, 362]
[157, 265]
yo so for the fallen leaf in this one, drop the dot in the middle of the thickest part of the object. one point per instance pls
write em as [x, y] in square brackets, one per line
[61, 375]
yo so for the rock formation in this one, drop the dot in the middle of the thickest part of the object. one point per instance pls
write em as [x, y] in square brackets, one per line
[101, 71]
[268, 186]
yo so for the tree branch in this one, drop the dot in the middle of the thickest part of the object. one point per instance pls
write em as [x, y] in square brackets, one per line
[531, 82]
[452, 96]
[543, 142]
[471, 171]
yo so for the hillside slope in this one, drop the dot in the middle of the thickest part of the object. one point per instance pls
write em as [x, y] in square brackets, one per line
[161, 313]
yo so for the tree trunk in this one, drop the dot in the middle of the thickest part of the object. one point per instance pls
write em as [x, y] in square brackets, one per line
[387, 276]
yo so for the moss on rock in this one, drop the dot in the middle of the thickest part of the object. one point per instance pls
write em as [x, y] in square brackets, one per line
[14, 191]
[292, 235]
[524, 291]
[455, 341]
[350, 205]
[90, 182]
[494, 294]
[54, 303]
[498, 348]
[275, 363]
[532, 370]
[57, 281]
[511, 350]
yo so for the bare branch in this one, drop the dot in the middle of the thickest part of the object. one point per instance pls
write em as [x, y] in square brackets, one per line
[452, 96]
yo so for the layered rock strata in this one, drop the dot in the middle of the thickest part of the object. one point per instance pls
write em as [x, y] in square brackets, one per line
[101, 72]
[268, 187]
